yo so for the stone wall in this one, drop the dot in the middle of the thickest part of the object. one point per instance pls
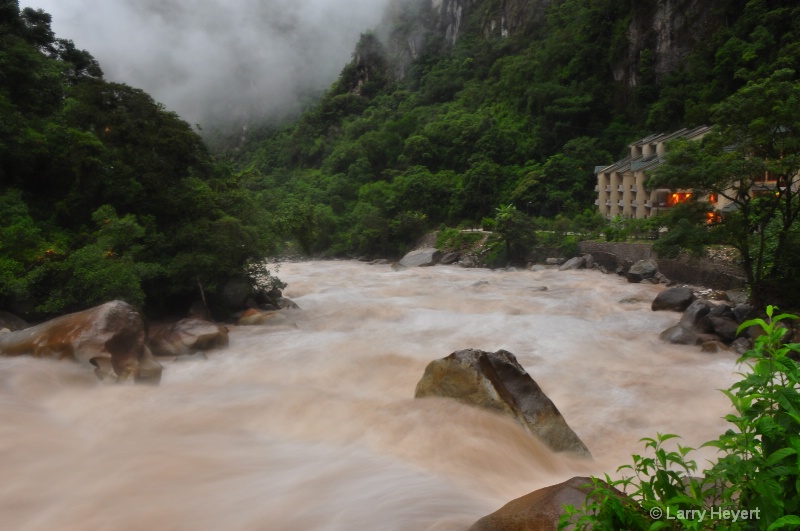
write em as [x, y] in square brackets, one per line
[686, 269]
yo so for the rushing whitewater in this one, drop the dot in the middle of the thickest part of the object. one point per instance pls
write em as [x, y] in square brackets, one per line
[316, 427]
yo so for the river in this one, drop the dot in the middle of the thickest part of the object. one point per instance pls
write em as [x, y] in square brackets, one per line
[316, 427]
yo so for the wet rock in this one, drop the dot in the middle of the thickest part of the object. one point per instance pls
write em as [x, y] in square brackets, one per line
[287, 304]
[541, 509]
[642, 270]
[109, 337]
[450, 258]
[554, 261]
[743, 312]
[253, 317]
[189, 336]
[538, 267]
[467, 261]
[695, 317]
[678, 335]
[578, 262]
[590, 263]
[497, 382]
[673, 299]
[736, 296]
[426, 256]
[725, 327]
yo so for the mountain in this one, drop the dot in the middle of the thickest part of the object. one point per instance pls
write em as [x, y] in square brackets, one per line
[451, 108]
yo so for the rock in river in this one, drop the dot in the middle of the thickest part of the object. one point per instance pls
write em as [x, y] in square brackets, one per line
[496, 381]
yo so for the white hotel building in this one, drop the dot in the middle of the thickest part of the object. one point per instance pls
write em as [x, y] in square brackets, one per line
[621, 186]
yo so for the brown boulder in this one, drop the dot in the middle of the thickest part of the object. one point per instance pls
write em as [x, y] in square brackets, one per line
[189, 336]
[496, 381]
[111, 337]
[540, 510]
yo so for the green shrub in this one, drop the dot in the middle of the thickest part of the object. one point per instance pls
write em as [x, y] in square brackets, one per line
[759, 467]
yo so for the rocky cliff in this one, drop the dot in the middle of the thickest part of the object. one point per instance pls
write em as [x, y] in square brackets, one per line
[651, 39]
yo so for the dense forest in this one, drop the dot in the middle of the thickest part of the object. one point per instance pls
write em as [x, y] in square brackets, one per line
[103, 193]
[454, 113]
[518, 118]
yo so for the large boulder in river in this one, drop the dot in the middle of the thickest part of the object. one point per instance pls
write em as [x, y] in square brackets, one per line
[496, 381]
[427, 256]
[188, 336]
[673, 299]
[111, 337]
[541, 509]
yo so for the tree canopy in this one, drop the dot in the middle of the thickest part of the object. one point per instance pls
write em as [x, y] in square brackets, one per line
[104, 193]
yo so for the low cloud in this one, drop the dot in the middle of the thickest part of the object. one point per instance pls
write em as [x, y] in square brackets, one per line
[216, 61]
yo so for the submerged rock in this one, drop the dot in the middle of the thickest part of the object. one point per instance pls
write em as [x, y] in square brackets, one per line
[496, 381]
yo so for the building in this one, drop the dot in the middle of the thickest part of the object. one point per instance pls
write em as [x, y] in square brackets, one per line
[621, 187]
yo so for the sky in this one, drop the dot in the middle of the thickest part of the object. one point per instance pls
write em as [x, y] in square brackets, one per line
[212, 60]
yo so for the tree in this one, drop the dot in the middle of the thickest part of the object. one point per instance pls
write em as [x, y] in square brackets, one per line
[757, 135]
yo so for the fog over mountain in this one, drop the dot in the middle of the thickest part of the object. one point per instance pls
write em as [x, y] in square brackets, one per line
[217, 61]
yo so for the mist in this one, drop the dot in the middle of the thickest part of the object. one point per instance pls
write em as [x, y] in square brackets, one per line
[218, 63]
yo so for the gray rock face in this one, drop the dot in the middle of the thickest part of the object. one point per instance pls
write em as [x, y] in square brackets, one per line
[642, 270]
[673, 299]
[427, 256]
[496, 381]
[578, 262]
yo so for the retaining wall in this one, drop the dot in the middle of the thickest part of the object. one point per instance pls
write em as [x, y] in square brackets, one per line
[685, 269]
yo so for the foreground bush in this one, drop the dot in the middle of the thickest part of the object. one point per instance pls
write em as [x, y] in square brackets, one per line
[754, 483]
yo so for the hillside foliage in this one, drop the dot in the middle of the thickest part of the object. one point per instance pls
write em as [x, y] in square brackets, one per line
[518, 120]
[103, 193]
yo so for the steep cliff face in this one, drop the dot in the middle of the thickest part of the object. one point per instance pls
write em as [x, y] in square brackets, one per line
[660, 38]
[658, 35]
